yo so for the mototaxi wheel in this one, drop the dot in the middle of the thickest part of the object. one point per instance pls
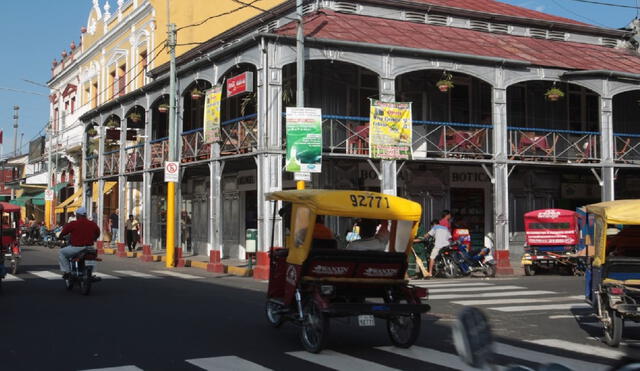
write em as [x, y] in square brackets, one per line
[613, 331]
[85, 281]
[449, 268]
[529, 270]
[13, 269]
[315, 328]
[68, 283]
[274, 318]
[490, 270]
[404, 330]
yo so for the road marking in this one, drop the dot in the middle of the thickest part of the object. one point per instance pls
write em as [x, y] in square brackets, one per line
[491, 294]
[339, 361]
[105, 276]
[439, 284]
[46, 275]
[227, 363]
[136, 274]
[178, 275]
[524, 308]
[579, 348]
[546, 358]
[121, 368]
[475, 289]
[572, 316]
[11, 277]
[500, 301]
[429, 355]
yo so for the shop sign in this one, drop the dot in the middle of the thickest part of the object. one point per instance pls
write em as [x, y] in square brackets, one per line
[213, 97]
[467, 176]
[243, 83]
[304, 139]
[390, 130]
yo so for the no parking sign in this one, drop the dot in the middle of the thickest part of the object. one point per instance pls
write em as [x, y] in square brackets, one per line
[48, 195]
[172, 171]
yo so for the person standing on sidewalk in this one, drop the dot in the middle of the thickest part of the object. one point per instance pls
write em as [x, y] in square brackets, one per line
[131, 229]
[114, 219]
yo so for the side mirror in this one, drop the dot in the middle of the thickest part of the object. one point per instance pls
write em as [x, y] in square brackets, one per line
[472, 337]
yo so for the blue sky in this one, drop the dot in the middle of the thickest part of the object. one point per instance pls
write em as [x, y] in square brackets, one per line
[36, 31]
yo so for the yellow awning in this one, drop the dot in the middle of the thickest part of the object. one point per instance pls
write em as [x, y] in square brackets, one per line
[617, 212]
[108, 186]
[69, 201]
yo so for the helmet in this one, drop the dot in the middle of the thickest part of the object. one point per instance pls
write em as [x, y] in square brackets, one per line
[81, 211]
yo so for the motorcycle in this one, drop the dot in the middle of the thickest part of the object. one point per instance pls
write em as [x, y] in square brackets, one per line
[12, 255]
[447, 262]
[50, 238]
[82, 267]
[478, 260]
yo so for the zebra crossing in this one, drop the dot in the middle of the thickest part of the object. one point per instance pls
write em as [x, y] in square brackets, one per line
[508, 298]
[418, 356]
[115, 275]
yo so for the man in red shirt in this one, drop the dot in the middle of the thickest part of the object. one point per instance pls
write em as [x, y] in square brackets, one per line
[84, 233]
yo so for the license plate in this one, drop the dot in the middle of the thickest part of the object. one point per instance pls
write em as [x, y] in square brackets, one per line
[7, 255]
[90, 263]
[366, 320]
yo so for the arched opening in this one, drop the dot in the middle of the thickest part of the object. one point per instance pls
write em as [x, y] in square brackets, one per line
[112, 145]
[626, 110]
[136, 120]
[193, 145]
[159, 131]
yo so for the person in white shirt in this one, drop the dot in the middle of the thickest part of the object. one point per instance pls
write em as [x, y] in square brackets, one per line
[370, 239]
[442, 237]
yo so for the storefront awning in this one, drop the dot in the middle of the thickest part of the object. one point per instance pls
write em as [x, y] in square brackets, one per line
[20, 201]
[108, 186]
[38, 199]
[59, 186]
[69, 202]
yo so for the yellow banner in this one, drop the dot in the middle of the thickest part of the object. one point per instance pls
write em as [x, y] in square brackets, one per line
[390, 134]
[213, 97]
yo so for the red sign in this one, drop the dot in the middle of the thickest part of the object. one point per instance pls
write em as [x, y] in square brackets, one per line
[242, 83]
[551, 227]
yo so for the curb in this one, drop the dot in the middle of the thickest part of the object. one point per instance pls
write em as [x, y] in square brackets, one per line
[239, 271]
[109, 251]
[199, 264]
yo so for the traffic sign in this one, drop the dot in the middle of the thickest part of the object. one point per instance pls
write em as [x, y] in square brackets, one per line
[48, 195]
[172, 171]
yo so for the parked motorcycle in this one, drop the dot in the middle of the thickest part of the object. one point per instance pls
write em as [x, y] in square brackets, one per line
[12, 256]
[477, 260]
[447, 263]
[82, 268]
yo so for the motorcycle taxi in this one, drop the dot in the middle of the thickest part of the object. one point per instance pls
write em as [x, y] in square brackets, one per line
[552, 241]
[612, 281]
[312, 281]
[9, 242]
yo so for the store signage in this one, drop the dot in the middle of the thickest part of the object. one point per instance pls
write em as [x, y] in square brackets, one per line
[213, 97]
[304, 139]
[468, 176]
[243, 83]
[172, 171]
[390, 133]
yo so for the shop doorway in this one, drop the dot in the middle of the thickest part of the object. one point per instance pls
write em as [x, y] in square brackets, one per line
[230, 225]
[468, 211]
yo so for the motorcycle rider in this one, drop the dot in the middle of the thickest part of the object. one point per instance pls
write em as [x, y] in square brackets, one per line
[84, 233]
[442, 237]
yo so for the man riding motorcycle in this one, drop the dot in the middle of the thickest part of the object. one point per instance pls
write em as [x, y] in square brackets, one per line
[84, 233]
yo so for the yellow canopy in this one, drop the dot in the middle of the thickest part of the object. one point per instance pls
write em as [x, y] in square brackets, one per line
[617, 212]
[356, 204]
[108, 186]
[70, 202]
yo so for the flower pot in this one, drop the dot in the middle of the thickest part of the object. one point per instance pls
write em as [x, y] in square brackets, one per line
[553, 97]
[443, 88]
[196, 96]
[163, 109]
[134, 119]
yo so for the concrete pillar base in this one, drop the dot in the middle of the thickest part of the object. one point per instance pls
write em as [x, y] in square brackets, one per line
[503, 264]
[180, 261]
[121, 250]
[100, 247]
[261, 270]
[215, 262]
[146, 254]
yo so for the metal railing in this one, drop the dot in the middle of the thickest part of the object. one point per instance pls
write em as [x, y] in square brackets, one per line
[92, 167]
[111, 162]
[135, 158]
[193, 146]
[239, 135]
[553, 145]
[627, 148]
[159, 152]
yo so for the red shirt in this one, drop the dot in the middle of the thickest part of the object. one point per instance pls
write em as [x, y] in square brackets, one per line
[445, 222]
[83, 232]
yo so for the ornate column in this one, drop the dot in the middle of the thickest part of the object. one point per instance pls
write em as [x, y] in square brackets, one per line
[122, 183]
[607, 146]
[147, 177]
[389, 184]
[100, 196]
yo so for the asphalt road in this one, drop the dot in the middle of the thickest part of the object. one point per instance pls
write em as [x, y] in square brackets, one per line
[142, 318]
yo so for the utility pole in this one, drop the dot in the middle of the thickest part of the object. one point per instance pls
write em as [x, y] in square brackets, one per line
[48, 204]
[15, 129]
[173, 143]
[300, 67]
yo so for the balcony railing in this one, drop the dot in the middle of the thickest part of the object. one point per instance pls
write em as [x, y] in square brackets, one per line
[159, 152]
[553, 145]
[627, 148]
[135, 158]
[92, 166]
[111, 162]
[239, 135]
[193, 146]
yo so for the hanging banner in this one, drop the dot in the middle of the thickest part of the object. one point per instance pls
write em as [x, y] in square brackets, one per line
[304, 139]
[390, 130]
[213, 97]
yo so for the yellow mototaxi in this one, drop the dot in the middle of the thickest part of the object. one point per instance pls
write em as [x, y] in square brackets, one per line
[312, 280]
[613, 278]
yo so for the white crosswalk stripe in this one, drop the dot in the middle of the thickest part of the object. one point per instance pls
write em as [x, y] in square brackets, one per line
[475, 289]
[105, 276]
[178, 275]
[491, 294]
[46, 275]
[339, 361]
[527, 308]
[429, 355]
[136, 274]
[228, 363]
[545, 358]
[11, 277]
[434, 285]
[121, 368]
[580, 348]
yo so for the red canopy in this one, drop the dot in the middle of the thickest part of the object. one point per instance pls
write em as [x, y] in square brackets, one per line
[551, 227]
[10, 208]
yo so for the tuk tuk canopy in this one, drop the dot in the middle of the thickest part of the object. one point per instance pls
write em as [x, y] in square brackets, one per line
[10, 208]
[551, 227]
[617, 212]
[355, 204]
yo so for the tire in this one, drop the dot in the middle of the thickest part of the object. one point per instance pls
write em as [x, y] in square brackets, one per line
[529, 270]
[14, 267]
[490, 270]
[613, 332]
[85, 282]
[68, 284]
[450, 270]
[404, 330]
[275, 319]
[315, 328]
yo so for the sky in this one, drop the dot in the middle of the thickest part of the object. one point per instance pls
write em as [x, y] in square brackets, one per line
[35, 32]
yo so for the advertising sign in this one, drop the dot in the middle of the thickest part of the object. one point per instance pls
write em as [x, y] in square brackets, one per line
[304, 139]
[390, 130]
[243, 83]
[213, 97]
[171, 171]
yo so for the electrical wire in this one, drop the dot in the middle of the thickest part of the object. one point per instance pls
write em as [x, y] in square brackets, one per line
[229, 12]
[578, 15]
[607, 4]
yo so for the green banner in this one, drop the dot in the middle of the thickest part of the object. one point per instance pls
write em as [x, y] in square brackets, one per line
[304, 139]
[213, 97]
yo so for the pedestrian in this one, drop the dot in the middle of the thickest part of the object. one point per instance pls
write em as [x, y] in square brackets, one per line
[442, 237]
[131, 228]
[114, 219]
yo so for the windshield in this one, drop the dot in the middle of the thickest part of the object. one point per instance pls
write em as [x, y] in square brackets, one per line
[547, 225]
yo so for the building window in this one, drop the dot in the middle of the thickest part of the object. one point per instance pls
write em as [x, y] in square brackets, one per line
[94, 96]
[73, 104]
[143, 68]
[112, 83]
[55, 119]
[122, 79]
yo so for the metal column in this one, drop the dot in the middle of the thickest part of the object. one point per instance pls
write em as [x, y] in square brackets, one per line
[500, 170]
[607, 145]
[389, 183]
[100, 196]
[122, 179]
[147, 178]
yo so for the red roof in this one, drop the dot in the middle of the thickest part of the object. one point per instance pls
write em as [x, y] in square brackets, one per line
[497, 7]
[568, 55]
